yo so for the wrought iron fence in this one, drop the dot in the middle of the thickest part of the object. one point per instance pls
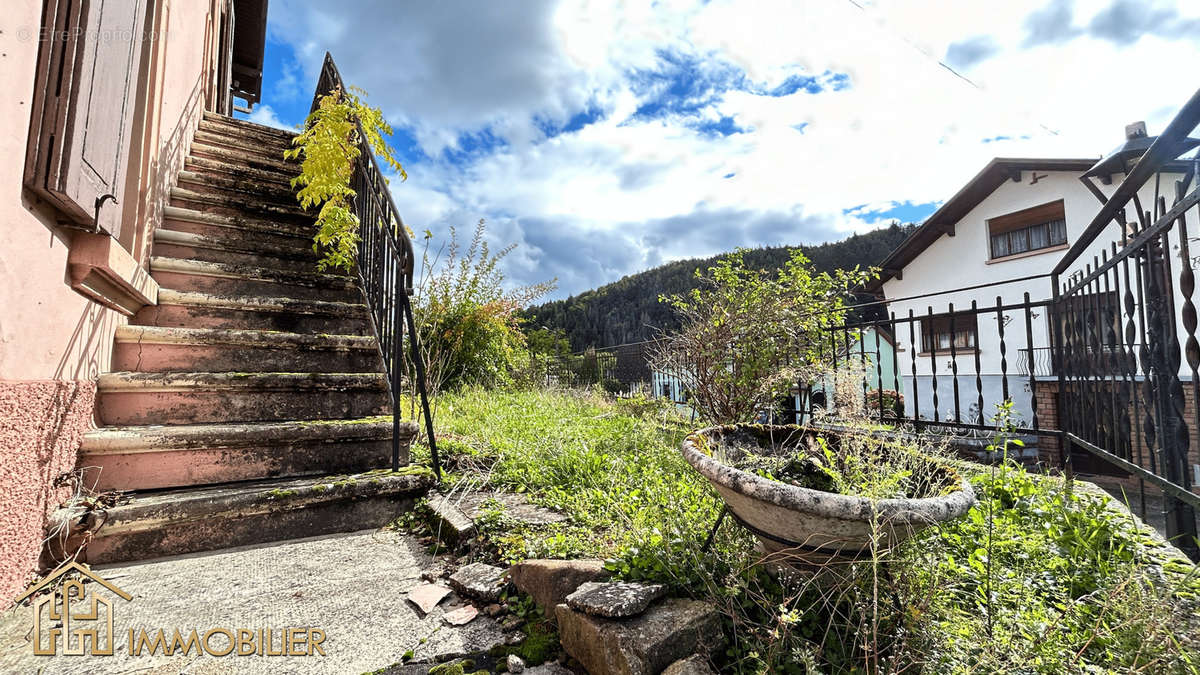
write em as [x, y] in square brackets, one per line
[384, 267]
[1127, 285]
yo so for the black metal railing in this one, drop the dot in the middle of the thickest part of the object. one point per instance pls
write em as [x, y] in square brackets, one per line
[384, 267]
[1136, 250]
[1108, 360]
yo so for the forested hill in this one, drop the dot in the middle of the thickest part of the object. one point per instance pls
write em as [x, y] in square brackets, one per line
[629, 311]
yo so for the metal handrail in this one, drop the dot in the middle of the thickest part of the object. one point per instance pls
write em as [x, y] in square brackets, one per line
[384, 266]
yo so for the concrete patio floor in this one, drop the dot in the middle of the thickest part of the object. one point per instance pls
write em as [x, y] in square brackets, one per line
[350, 586]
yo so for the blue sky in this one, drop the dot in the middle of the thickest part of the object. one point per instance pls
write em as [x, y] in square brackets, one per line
[605, 138]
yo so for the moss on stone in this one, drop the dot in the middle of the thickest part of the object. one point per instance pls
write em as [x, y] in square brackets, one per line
[463, 667]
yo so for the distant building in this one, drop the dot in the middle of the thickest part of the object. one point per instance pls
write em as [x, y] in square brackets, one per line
[996, 240]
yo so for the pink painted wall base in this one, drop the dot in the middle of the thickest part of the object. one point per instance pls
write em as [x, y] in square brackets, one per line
[41, 424]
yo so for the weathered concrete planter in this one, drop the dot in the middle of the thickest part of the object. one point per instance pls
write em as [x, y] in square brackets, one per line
[813, 525]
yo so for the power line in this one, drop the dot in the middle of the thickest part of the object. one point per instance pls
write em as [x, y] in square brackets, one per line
[940, 62]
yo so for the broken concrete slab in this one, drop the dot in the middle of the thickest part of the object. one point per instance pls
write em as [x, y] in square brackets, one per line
[461, 616]
[448, 522]
[479, 580]
[646, 644]
[427, 596]
[692, 665]
[549, 582]
[514, 506]
[614, 599]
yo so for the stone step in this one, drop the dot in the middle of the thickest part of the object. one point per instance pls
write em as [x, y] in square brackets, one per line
[244, 158]
[195, 180]
[168, 522]
[230, 279]
[233, 249]
[182, 350]
[157, 456]
[221, 227]
[202, 222]
[129, 398]
[250, 312]
[238, 204]
[232, 139]
[239, 171]
[211, 121]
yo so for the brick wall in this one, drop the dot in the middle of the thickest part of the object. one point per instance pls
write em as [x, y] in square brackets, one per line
[1047, 410]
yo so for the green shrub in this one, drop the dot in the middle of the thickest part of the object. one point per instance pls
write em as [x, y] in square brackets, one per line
[329, 147]
[466, 318]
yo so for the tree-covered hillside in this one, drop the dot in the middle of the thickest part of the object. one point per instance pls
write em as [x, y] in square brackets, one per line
[629, 311]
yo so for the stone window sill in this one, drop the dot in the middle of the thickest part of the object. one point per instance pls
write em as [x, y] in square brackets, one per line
[103, 272]
[965, 351]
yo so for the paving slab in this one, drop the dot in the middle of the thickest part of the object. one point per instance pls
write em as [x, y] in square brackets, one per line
[351, 587]
[515, 506]
[480, 580]
[615, 599]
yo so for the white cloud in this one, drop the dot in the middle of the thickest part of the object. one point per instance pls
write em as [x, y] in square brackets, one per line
[625, 193]
[263, 114]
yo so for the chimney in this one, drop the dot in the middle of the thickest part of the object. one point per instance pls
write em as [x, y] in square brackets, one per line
[1135, 130]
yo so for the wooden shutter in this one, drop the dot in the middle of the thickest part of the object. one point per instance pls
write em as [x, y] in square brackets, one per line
[85, 93]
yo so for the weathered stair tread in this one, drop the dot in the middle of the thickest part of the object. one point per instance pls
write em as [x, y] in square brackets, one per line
[244, 338]
[163, 436]
[236, 271]
[266, 495]
[220, 220]
[211, 181]
[259, 303]
[254, 159]
[297, 382]
[212, 119]
[275, 177]
[301, 251]
[185, 520]
[283, 208]
[245, 139]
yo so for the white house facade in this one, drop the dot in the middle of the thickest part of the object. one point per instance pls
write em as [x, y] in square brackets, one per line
[996, 240]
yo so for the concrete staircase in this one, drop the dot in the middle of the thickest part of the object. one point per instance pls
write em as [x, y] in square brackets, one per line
[250, 404]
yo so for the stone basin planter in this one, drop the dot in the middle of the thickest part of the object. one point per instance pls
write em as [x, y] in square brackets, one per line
[813, 525]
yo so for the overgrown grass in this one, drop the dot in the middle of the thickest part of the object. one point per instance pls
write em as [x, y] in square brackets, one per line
[1038, 577]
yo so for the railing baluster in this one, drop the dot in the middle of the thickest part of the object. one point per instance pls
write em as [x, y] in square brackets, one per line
[913, 348]
[1033, 403]
[978, 378]
[954, 365]
[928, 335]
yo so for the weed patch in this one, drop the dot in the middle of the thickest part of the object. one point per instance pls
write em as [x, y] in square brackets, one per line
[1038, 577]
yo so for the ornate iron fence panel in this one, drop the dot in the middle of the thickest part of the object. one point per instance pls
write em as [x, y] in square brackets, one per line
[1123, 315]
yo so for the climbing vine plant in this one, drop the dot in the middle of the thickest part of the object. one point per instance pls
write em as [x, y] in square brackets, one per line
[328, 147]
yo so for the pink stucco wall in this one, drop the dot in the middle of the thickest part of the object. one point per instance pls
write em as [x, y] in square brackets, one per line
[41, 424]
[53, 341]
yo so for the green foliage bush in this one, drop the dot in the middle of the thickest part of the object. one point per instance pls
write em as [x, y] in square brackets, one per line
[329, 146]
[748, 336]
[466, 319]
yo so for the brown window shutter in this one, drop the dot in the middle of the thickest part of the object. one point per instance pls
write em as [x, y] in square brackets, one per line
[86, 90]
[1043, 213]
